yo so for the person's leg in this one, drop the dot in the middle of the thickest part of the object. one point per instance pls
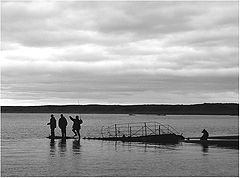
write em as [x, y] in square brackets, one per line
[65, 132]
[78, 132]
[62, 130]
[74, 131]
[52, 132]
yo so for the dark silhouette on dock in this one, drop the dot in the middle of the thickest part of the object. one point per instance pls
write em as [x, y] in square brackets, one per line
[205, 135]
[52, 124]
[62, 123]
[76, 125]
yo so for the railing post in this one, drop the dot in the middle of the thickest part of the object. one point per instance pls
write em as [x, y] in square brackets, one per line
[145, 128]
[142, 131]
[159, 130]
[102, 131]
[155, 128]
[115, 130]
[130, 129]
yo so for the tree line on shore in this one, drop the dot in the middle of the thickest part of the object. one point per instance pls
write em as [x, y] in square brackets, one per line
[159, 109]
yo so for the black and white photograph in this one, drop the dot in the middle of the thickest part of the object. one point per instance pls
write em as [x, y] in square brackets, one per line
[119, 88]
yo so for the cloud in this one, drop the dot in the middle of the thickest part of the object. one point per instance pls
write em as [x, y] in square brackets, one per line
[119, 52]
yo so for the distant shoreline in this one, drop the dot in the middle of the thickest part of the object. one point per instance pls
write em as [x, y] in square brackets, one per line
[151, 109]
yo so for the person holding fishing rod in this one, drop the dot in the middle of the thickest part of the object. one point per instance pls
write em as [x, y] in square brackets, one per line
[76, 125]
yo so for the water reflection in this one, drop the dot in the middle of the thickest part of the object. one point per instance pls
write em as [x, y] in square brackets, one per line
[144, 146]
[204, 148]
[76, 146]
[116, 146]
[62, 146]
[52, 147]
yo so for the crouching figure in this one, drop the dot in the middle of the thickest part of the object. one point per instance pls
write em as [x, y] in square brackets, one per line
[205, 135]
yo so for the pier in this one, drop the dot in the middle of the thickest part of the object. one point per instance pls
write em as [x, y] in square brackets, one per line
[155, 132]
[140, 132]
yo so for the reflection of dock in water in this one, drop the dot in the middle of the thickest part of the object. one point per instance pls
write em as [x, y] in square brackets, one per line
[152, 132]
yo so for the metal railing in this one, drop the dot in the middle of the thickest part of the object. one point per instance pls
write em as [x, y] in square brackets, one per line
[137, 129]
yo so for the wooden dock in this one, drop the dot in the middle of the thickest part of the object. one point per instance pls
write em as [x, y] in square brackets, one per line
[153, 132]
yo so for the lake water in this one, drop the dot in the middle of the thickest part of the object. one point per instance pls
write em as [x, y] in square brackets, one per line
[25, 150]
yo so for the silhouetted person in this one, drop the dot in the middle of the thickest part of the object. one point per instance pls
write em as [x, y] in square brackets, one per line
[62, 123]
[205, 135]
[52, 124]
[76, 125]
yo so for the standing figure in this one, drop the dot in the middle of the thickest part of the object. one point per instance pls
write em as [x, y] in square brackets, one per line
[76, 125]
[62, 123]
[205, 135]
[52, 124]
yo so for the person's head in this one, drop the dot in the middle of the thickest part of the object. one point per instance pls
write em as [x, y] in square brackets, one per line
[203, 131]
[77, 117]
[61, 115]
[52, 115]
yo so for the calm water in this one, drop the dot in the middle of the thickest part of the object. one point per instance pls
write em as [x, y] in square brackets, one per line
[26, 152]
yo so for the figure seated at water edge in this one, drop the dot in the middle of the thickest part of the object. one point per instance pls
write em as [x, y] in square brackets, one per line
[205, 135]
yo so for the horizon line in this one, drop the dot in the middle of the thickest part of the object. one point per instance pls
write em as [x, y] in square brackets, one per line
[112, 104]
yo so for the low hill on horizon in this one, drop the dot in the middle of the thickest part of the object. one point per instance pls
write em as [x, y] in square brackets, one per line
[160, 109]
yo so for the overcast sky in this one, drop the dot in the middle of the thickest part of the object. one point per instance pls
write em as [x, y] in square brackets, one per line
[119, 52]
